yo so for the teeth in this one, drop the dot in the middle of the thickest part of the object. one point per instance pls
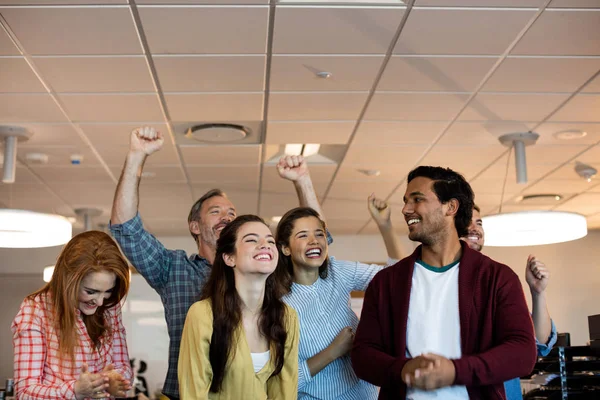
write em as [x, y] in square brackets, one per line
[413, 221]
[473, 237]
[313, 251]
[263, 257]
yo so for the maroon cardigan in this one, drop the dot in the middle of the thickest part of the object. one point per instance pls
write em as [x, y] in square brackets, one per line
[497, 337]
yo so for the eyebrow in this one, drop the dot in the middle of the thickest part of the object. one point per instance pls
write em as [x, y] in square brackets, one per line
[255, 234]
[218, 207]
[96, 290]
[413, 194]
[306, 230]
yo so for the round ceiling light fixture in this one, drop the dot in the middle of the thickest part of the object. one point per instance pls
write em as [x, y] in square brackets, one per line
[570, 134]
[532, 228]
[217, 133]
[29, 229]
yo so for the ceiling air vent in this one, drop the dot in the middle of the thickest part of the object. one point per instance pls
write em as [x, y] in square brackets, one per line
[539, 199]
[217, 133]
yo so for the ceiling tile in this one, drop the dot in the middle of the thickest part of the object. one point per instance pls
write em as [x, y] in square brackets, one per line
[221, 155]
[575, 3]
[549, 129]
[563, 32]
[323, 132]
[560, 186]
[224, 174]
[414, 106]
[215, 107]
[29, 108]
[397, 132]
[511, 107]
[346, 209]
[225, 30]
[277, 204]
[86, 27]
[388, 172]
[541, 154]
[360, 191]
[118, 134]
[391, 154]
[591, 156]
[335, 30]
[593, 221]
[567, 172]
[72, 174]
[220, 2]
[52, 135]
[465, 159]
[33, 197]
[96, 74]
[446, 74]
[211, 73]
[542, 74]
[60, 156]
[586, 204]
[156, 173]
[63, 2]
[115, 155]
[461, 31]
[22, 176]
[18, 77]
[86, 194]
[316, 106]
[481, 133]
[593, 86]
[112, 107]
[290, 73]
[479, 3]
[582, 107]
[7, 47]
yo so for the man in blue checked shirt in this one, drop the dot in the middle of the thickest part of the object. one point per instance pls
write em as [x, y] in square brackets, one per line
[177, 278]
[537, 276]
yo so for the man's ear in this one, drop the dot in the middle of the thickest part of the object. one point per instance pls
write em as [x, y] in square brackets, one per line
[229, 260]
[452, 207]
[195, 227]
[286, 251]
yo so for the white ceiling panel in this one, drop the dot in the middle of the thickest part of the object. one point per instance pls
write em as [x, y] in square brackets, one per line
[316, 106]
[466, 159]
[593, 86]
[60, 156]
[586, 204]
[415, 106]
[72, 174]
[446, 74]
[156, 173]
[320, 174]
[52, 135]
[211, 73]
[346, 209]
[112, 107]
[215, 107]
[482, 133]
[206, 29]
[62, 2]
[22, 176]
[388, 172]
[353, 191]
[18, 77]
[277, 204]
[119, 134]
[7, 47]
[542, 74]
[582, 107]
[335, 30]
[567, 172]
[86, 27]
[563, 32]
[221, 155]
[220, 2]
[86, 194]
[29, 108]
[115, 155]
[30, 197]
[541, 154]
[224, 174]
[480, 3]
[511, 107]
[560, 186]
[96, 74]
[461, 31]
[378, 154]
[323, 132]
[549, 129]
[591, 156]
[397, 132]
[575, 3]
[289, 73]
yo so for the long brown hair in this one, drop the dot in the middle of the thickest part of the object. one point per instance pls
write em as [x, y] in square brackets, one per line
[283, 235]
[227, 306]
[88, 252]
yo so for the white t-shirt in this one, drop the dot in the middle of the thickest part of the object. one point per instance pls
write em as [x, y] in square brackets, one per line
[434, 323]
[259, 360]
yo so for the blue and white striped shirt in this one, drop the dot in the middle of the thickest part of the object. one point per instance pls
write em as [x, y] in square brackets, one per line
[324, 310]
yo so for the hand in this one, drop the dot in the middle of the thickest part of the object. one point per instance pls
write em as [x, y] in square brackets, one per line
[379, 209]
[118, 386]
[342, 344]
[89, 384]
[292, 168]
[441, 375]
[414, 368]
[536, 275]
[145, 140]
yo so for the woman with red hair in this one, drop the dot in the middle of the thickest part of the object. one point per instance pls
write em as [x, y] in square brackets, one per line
[68, 337]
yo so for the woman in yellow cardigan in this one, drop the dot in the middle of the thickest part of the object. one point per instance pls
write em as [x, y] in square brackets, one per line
[241, 341]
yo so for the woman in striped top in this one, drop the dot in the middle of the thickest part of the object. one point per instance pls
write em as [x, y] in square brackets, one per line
[319, 289]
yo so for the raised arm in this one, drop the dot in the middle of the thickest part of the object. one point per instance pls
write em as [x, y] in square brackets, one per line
[143, 142]
[381, 213]
[537, 277]
[295, 169]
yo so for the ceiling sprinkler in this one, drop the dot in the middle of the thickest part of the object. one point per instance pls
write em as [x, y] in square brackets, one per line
[585, 171]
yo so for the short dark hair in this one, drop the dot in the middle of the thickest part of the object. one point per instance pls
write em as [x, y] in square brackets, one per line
[447, 185]
[195, 210]
[282, 237]
[476, 208]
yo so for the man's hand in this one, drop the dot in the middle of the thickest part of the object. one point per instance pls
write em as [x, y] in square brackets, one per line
[145, 140]
[292, 168]
[117, 385]
[536, 275]
[415, 368]
[88, 385]
[342, 343]
[379, 209]
[442, 374]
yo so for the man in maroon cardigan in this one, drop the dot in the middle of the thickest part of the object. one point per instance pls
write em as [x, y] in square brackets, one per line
[446, 322]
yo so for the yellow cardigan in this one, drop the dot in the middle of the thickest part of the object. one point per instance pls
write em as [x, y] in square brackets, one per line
[240, 380]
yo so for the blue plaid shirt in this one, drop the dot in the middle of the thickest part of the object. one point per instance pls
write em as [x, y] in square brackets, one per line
[177, 278]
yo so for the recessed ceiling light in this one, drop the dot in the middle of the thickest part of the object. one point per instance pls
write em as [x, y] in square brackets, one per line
[570, 134]
[370, 172]
[217, 133]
